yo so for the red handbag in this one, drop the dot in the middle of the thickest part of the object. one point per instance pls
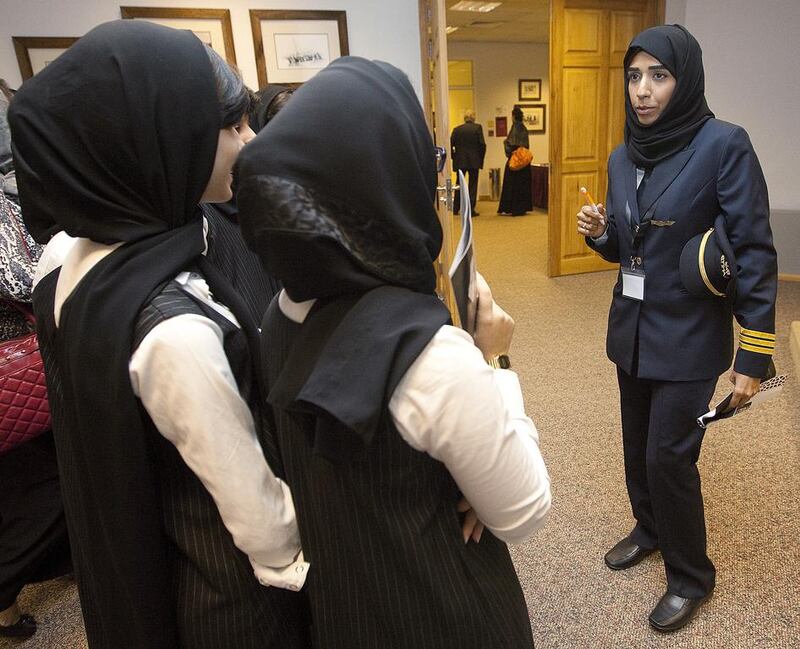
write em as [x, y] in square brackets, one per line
[24, 411]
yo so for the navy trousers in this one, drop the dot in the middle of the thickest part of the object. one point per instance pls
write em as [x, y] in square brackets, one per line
[661, 442]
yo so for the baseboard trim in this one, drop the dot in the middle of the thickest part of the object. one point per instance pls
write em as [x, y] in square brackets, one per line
[788, 277]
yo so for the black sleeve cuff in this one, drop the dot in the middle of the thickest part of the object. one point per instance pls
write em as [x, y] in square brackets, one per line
[751, 363]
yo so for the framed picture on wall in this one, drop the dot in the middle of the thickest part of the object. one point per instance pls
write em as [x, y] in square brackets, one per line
[534, 117]
[36, 52]
[292, 46]
[530, 89]
[212, 26]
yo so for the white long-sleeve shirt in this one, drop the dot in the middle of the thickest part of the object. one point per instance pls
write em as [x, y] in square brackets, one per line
[183, 378]
[453, 406]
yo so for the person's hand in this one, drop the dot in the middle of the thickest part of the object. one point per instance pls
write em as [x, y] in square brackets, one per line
[592, 223]
[744, 388]
[493, 326]
[471, 528]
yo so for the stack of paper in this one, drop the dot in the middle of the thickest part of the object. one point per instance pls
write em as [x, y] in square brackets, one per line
[462, 270]
[769, 390]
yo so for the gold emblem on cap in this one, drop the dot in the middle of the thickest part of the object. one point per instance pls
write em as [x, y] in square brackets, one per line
[724, 266]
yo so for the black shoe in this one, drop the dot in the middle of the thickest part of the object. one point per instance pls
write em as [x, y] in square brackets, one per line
[674, 612]
[24, 627]
[626, 554]
[476, 214]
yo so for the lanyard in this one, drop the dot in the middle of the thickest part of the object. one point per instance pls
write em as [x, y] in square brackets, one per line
[638, 230]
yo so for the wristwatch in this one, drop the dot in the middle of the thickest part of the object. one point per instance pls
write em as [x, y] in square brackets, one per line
[502, 362]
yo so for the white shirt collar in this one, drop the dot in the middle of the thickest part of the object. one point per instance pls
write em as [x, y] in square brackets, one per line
[295, 311]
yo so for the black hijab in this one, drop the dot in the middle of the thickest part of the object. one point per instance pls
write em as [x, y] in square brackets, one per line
[260, 116]
[347, 214]
[360, 194]
[687, 109]
[109, 147]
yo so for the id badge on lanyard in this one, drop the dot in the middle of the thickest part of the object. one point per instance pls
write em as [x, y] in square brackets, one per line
[633, 284]
[633, 278]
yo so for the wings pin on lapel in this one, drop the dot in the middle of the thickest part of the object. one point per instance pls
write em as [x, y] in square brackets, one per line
[661, 224]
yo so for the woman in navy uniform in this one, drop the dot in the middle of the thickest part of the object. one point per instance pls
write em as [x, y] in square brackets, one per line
[677, 172]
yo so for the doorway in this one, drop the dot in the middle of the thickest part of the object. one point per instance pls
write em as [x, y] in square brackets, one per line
[498, 59]
[568, 53]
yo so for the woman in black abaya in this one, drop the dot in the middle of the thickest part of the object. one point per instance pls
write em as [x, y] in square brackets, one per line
[516, 198]
[170, 503]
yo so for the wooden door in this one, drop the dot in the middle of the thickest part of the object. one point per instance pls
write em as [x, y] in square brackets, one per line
[433, 42]
[588, 40]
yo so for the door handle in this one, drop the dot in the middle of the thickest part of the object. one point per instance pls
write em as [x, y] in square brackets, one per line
[446, 193]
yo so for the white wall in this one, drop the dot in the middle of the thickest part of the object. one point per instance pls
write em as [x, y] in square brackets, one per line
[497, 68]
[751, 52]
[377, 29]
[675, 12]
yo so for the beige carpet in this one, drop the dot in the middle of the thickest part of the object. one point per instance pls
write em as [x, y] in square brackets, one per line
[749, 466]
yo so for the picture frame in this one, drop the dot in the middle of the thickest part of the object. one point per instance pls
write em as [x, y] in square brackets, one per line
[291, 46]
[534, 117]
[35, 52]
[212, 26]
[530, 90]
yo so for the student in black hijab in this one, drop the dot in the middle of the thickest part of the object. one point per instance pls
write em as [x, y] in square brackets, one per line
[33, 530]
[227, 250]
[170, 503]
[270, 100]
[680, 173]
[389, 421]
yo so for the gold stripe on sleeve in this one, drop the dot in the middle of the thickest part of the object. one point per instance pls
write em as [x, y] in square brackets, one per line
[757, 341]
[758, 334]
[757, 350]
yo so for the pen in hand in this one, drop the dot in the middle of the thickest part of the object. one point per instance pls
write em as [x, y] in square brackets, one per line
[588, 197]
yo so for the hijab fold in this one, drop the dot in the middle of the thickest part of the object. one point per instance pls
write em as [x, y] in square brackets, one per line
[110, 148]
[687, 109]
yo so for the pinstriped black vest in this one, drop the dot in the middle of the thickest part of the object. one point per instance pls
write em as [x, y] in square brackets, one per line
[228, 251]
[389, 568]
[219, 601]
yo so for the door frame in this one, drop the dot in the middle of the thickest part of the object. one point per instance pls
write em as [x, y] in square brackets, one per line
[433, 55]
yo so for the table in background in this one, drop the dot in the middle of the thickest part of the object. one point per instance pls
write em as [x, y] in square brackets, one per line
[539, 182]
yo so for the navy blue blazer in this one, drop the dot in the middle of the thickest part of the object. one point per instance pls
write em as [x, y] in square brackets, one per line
[682, 337]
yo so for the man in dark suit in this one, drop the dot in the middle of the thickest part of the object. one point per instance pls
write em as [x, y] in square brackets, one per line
[468, 149]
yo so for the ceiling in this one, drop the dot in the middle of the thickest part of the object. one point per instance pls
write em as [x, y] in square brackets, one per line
[514, 21]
